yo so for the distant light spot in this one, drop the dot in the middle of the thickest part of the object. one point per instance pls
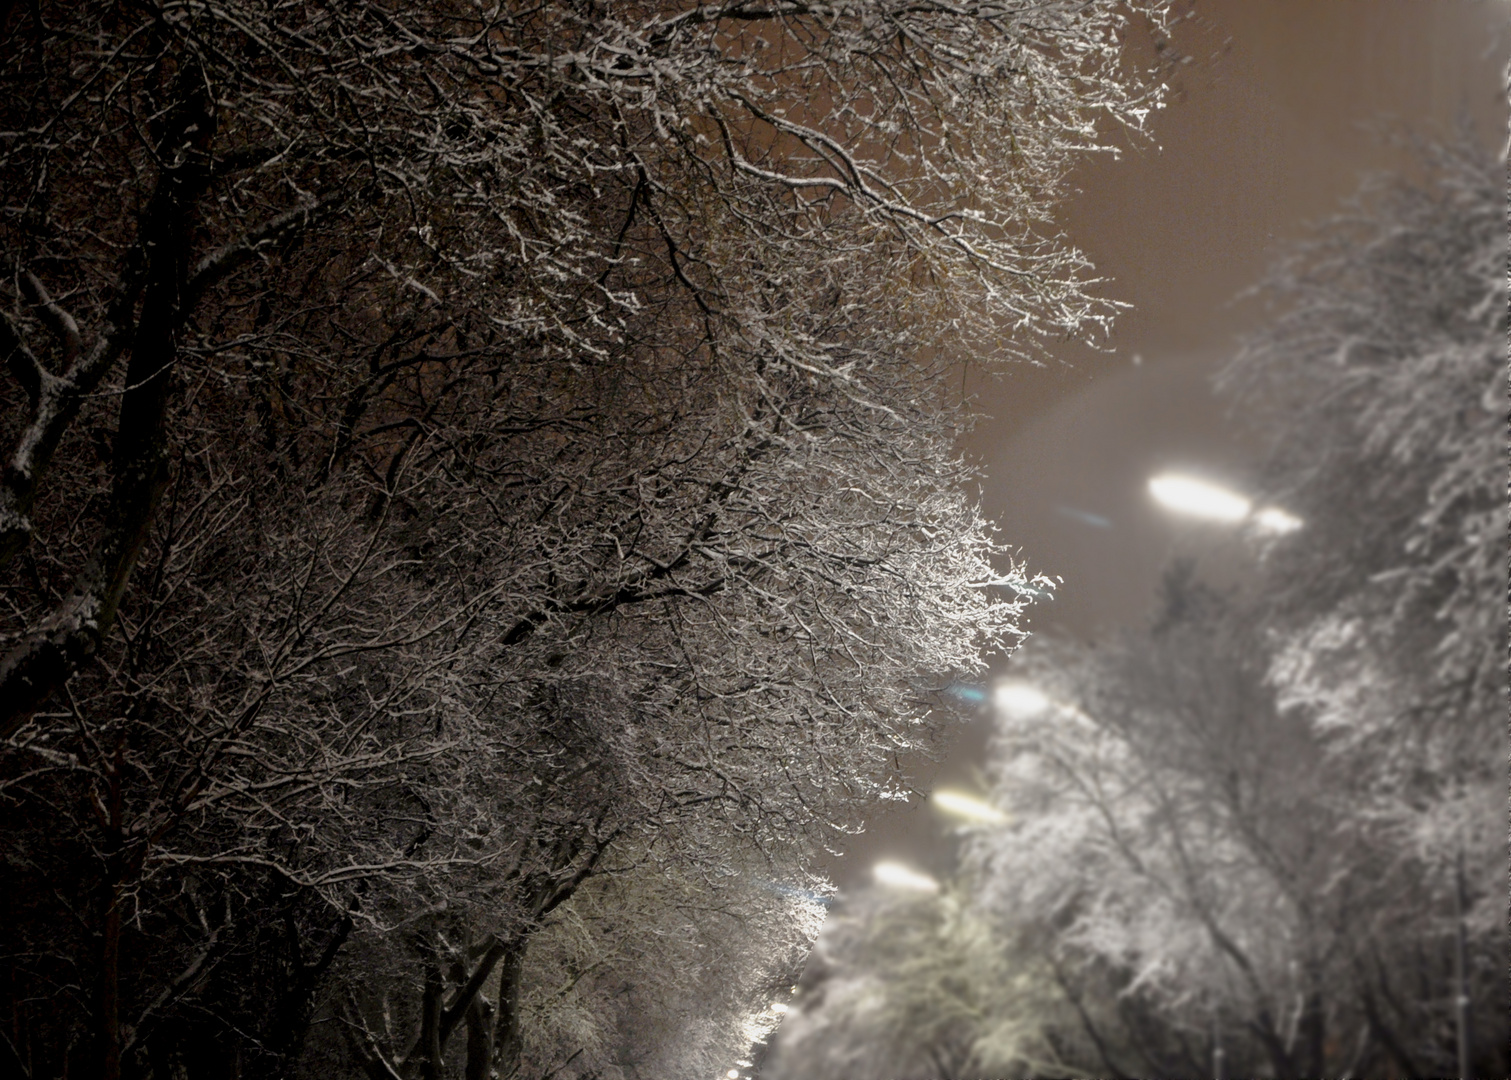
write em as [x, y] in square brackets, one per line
[973, 694]
[1272, 519]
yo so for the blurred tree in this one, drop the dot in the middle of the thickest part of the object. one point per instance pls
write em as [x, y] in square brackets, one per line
[1257, 811]
[1378, 381]
[919, 986]
[1380, 378]
[1205, 858]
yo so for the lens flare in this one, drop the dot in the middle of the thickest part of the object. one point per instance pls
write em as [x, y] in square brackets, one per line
[972, 695]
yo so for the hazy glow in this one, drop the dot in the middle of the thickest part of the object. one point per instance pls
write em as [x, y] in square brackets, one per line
[1085, 517]
[1272, 519]
[733, 1074]
[1018, 699]
[972, 809]
[1187, 495]
[779, 1007]
[898, 876]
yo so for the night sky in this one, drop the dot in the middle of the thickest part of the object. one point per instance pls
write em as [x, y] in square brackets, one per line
[1274, 118]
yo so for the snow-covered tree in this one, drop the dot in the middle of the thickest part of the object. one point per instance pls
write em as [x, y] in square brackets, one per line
[670, 976]
[450, 444]
[913, 986]
[826, 186]
[1236, 832]
[1184, 841]
[1380, 376]
[650, 969]
[1258, 813]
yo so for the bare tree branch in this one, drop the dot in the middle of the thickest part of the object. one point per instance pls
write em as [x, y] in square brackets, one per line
[59, 321]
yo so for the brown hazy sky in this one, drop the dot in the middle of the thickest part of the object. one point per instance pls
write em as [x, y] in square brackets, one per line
[1269, 126]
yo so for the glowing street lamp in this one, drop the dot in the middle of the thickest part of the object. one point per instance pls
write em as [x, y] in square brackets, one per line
[1201, 499]
[896, 876]
[969, 808]
[1198, 498]
[1276, 521]
[1019, 700]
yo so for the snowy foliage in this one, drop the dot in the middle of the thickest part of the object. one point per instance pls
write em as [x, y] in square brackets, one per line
[1195, 848]
[1200, 856]
[909, 986]
[1380, 378]
[453, 446]
[1383, 378]
[1239, 829]
[1250, 818]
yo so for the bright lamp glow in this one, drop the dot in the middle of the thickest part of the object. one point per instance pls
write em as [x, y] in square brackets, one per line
[1019, 700]
[733, 1074]
[972, 809]
[1272, 519]
[779, 1006]
[1187, 495]
[898, 876]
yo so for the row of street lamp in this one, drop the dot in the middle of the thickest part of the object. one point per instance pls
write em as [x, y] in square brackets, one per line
[1178, 493]
[958, 805]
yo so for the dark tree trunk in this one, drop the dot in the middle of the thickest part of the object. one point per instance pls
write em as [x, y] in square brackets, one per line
[49, 656]
[1311, 1037]
[1386, 1036]
[432, 1065]
[506, 1038]
[479, 1039]
[1274, 1047]
[108, 1001]
[293, 1007]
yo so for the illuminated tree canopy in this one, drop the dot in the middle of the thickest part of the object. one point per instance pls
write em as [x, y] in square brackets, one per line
[462, 455]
